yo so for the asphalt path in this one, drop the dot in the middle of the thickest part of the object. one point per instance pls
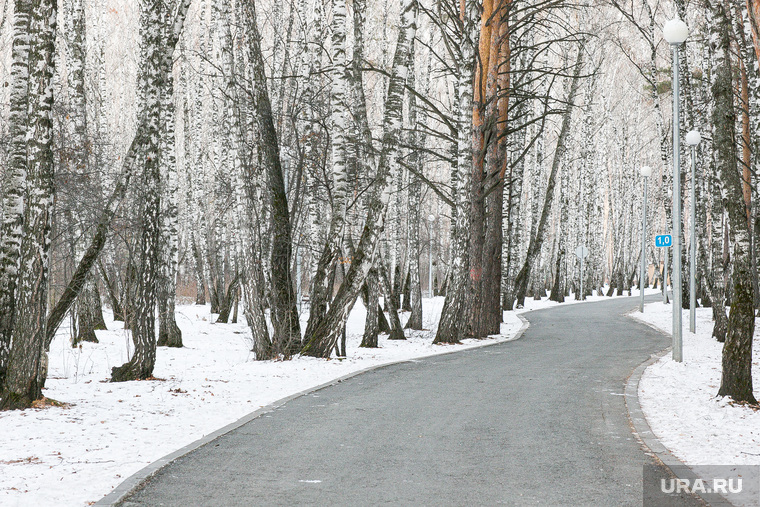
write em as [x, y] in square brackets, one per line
[537, 421]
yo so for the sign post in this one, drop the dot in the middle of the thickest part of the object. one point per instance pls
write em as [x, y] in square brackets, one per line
[664, 241]
[581, 252]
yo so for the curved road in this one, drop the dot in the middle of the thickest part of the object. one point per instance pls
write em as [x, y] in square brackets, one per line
[541, 420]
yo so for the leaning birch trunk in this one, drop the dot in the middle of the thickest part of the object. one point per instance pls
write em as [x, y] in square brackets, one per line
[12, 232]
[321, 341]
[534, 247]
[27, 362]
[736, 380]
[452, 325]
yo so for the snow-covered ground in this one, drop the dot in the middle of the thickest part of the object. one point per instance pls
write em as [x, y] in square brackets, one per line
[680, 402]
[75, 455]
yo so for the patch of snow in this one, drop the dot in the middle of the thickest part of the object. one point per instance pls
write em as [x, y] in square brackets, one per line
[680, 399]
[77, 455]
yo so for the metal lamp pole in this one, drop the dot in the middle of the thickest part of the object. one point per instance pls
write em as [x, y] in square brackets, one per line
[646, 172]
[431, 219]
[675, 32]
[693, 139]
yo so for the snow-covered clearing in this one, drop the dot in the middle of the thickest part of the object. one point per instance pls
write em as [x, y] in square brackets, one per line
[680, 403]
[76, 455]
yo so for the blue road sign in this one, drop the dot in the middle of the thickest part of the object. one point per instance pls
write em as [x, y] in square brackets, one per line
[663, 240]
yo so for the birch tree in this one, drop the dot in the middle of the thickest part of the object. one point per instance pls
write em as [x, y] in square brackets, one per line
[736, 380]
[12, 231]
[26, 365]
[452, 326]
[534, 246]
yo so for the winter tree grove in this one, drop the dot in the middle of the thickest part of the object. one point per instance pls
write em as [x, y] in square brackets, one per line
[286, 161]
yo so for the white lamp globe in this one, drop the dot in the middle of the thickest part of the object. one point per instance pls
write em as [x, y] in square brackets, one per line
[646, 171]
[675, 31]
[693, 138]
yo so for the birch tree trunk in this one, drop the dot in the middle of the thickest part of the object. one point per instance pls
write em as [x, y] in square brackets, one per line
[320, 294]
[736, 380]
[413, 219]
[371, 324]
[89, 307]
[129, 165]
[12, 232]
[717, 212]
[169, 334]
[452, 325]
[151, 82]
[27, 361]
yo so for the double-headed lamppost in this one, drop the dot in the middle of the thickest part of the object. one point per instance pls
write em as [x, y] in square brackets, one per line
[675, 32]
[646, 172]
[693, 139]
[431, 219]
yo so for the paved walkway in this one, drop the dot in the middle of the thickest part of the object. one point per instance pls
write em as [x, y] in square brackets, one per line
[541, 420]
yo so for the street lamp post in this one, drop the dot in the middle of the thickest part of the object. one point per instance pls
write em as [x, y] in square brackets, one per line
[675, 32]
[693, 139]
[431, 219]
[646, 172]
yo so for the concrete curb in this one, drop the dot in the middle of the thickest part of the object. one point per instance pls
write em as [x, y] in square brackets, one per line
[133, 482]
[647, 438]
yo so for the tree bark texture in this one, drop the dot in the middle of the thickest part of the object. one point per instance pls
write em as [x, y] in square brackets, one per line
[27, 361]
[12, 232]
[736, 380]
